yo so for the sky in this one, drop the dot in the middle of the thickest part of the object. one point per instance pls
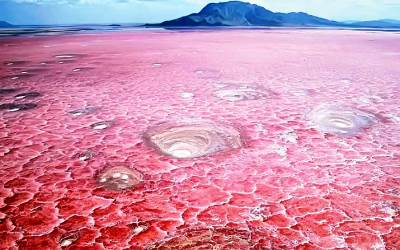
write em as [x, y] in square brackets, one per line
[152, 11]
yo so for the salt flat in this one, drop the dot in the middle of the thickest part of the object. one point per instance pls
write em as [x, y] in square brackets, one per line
[200, 139]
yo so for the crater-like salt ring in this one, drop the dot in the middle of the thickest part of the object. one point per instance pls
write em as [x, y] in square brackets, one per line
[341, 120]
[192, 139]
[239, 94]
[119, 177]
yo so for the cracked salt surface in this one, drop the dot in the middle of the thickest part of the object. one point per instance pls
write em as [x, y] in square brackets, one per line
[236, 175]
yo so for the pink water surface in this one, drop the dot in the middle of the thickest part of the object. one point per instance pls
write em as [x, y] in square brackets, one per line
[290, 186]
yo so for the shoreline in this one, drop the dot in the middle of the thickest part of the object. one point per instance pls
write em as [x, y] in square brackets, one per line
[31, 31]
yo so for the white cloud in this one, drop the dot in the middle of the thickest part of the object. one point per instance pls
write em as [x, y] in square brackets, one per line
[77, 1]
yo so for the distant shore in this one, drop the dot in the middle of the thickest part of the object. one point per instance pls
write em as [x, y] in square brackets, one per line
[49, 30]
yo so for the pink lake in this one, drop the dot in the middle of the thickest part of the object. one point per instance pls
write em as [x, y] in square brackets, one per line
[224, 139]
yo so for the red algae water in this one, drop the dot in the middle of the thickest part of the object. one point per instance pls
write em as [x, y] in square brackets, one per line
[276, 139]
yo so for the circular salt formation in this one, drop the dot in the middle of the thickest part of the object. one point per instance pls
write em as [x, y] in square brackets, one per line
[341, 120]
[68, 56]
[187, 95]
[81, 69]
[33, 71]
[239, 94]
[68, 239]
[191, 139]
[85, 156]
[27, 95]
[101, 125]
[83, 111]
[14, 107]
[64, 56]
[208, 73]
[119, 178]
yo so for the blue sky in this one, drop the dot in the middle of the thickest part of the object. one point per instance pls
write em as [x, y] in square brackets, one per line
[142, 11]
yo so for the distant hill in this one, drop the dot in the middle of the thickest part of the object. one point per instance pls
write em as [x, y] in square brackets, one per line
[4, 24]
[383, 23]
[237, 13]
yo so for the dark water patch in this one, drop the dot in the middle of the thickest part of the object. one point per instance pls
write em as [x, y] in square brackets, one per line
[20, 76]
[8, 91]
[33, 71]
[119, 178]
[21, 73]
[16, 63]
[56, 30]
[14, 107]
[26, 95]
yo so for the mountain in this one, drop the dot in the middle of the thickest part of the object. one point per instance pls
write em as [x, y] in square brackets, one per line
[4, 24]
[383, 23]
[390, 21]
[237, 13]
